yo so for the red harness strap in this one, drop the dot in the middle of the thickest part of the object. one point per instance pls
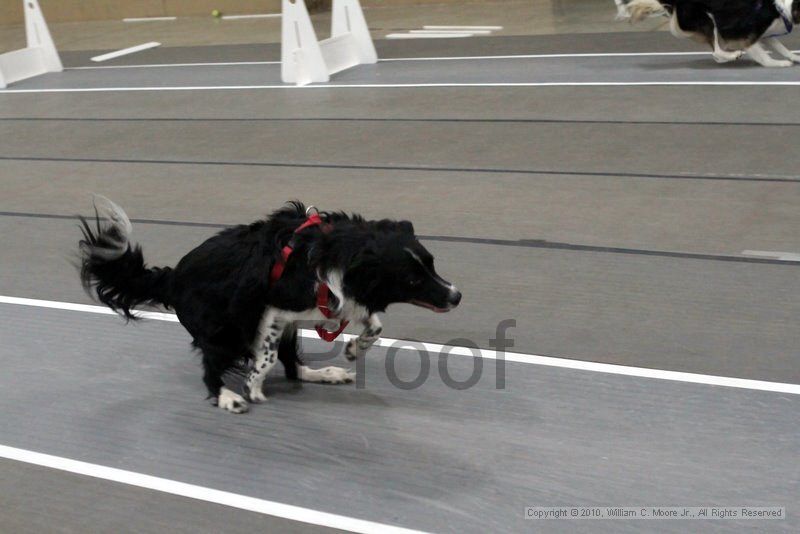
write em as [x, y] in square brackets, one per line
[323, 291]
[322, 304]
[277, 269]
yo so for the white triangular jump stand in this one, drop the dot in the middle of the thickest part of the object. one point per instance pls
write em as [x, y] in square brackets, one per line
[306, 60]
[39, 57]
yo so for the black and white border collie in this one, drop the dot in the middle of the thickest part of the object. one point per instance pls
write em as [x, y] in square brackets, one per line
[222, 294]
[730, 27]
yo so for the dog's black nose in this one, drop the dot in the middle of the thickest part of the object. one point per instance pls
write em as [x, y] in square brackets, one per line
[455, 298]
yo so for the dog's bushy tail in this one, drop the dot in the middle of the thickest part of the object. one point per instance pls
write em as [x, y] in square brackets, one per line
[114, 270]
[638, 10]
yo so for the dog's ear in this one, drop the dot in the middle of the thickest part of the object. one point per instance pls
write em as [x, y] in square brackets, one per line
[406, 227]
[364, 257]
[388, 225]
[361, 274]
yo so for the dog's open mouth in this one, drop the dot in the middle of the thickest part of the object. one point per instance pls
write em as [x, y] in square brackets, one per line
[429, 306]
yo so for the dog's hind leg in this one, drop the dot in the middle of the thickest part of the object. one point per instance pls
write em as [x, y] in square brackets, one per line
[675, 27]
[288, 353]
[762, 57]
[720, 54]
[782, 50]
[231, 401]
[213, 368]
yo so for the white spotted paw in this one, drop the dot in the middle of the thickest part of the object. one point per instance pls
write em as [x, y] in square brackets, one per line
[327, 375]
[232, 402]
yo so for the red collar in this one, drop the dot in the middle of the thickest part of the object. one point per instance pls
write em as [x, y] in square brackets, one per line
[323, 291]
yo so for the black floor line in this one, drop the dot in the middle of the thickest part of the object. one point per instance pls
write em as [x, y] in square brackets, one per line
[395, 119]
[415, 168]
[524, 243]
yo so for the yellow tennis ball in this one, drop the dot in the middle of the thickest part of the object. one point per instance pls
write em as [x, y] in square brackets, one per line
[216, 13]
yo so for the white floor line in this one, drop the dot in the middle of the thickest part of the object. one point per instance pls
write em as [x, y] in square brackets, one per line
[200, 493]
[404, 86]
[126, 51]
[449, 35]
[785, 256]
[164, 65]
[261, 16]
[549, 56]
[468, 32]
[434, 348]
[147, 19]
[467, 28]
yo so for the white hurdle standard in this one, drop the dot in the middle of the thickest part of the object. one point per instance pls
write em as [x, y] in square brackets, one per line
[306, 60]
[39, 57]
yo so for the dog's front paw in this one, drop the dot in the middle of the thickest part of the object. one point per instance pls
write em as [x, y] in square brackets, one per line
[231, 402]
[782, 63]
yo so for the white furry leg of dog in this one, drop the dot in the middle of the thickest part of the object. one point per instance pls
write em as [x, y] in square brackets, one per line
[359, 346]
[782, 50]
[326, 375]
[762, 57]
[265, 350]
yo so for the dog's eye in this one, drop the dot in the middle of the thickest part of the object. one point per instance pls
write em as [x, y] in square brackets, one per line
[415, 282]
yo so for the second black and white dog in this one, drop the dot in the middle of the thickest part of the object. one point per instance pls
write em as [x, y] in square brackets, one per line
[222, 293]
[730, 27]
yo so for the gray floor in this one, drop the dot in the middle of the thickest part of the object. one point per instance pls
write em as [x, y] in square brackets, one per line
[431, 458]
[609, 222]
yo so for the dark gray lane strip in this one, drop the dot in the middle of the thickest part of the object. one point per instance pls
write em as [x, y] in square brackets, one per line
[524, 243]
[610, 42]
[139, 221]
[416, 168]
[535, 243]
[389, 119]
[494, 45]
[431, 457]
